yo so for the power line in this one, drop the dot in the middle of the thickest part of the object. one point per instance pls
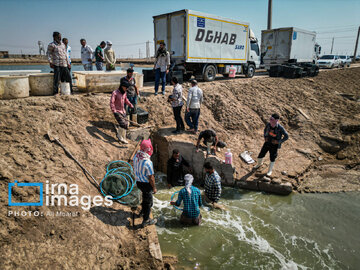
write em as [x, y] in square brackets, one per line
[336, 31]
[335, 37]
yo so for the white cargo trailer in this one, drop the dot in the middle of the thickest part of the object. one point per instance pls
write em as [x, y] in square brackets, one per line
[288, 45]
[204, 45]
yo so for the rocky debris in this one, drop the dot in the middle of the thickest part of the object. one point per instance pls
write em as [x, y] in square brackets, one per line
[350, 128]
[265, 184]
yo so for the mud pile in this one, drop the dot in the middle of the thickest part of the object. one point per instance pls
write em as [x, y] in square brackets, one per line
[321, 114]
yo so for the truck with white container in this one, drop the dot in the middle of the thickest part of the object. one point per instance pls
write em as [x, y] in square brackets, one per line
[204, 45]
[289, 46]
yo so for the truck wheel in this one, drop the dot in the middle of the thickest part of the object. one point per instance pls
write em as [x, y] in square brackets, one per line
[209, 73]
[250, 72]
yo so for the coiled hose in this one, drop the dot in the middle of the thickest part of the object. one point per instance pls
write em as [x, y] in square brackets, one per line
[123, 174]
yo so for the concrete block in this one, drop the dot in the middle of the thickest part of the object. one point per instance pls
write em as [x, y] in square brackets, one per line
[41, 84]
[275, 188]
[227, 174]
[250, 185]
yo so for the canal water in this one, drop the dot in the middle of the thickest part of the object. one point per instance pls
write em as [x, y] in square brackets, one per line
[261, 231]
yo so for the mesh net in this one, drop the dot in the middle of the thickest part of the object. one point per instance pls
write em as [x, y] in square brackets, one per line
[119, 183]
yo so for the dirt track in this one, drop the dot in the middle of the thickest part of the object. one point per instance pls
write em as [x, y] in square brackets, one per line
[323, 147]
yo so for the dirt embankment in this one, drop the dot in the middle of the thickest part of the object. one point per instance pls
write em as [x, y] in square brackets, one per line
[321, 114]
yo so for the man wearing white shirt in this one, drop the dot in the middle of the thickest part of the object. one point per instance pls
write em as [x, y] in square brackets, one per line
[86, 55]
[68, 53]
[193, 104]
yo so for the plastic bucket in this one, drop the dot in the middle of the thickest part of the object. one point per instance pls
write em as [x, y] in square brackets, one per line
[65, 88]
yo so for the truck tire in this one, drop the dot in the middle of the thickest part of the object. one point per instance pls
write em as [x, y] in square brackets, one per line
[209, 73]
[250, 71]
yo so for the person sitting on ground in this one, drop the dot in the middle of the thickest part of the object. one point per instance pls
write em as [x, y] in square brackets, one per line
[274, 134]
[132, 93]
[145, 179]
[210, 139]
[175, 169]
[99, 56]
[194, 100]
[177, 103]
[110, 58]
[117, 105]
[212, 186]
[191, 197]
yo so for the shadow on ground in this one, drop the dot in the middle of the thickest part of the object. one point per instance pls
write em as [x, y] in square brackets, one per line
[111, 216]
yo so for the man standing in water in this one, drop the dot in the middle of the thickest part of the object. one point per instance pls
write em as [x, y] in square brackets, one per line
[86, 55]
[145, 180]
[212, 186]
[99, 56]
[191, 197]
[59, 61]
[274, 135]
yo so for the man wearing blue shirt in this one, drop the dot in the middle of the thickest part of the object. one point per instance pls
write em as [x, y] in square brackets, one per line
[191, 197]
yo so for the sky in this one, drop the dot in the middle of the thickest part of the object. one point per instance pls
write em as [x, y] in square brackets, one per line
[129, 24]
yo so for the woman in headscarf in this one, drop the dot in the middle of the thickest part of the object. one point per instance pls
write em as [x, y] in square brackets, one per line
[191, 197]
[110, 58]
[145, 180]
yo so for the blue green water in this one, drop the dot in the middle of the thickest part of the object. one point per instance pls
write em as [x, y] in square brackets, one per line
[260, 231]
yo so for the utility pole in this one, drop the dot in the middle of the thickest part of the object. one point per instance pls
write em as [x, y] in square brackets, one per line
[356, 45]
[269, 15]
[148, 49]
[332, 45]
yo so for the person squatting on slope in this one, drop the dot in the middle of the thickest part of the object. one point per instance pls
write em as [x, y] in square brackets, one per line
[274, 135]
[210, 139]
[117, 104]
[191, 197]
[145, 179]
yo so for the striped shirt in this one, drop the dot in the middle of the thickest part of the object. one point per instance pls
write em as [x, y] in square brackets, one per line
[57, 55]
[177, 95]
[213, 186]
[143, 168]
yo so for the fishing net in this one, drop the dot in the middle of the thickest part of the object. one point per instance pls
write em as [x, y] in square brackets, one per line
[119, 183]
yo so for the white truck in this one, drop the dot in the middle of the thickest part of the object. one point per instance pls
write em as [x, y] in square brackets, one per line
[204, 45]
[288, 46]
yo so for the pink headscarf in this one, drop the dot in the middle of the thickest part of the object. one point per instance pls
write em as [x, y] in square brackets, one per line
[146, 147]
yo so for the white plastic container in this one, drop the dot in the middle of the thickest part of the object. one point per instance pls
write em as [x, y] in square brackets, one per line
[228, 157]
[65, 88]
[41, 84]
[12, 87]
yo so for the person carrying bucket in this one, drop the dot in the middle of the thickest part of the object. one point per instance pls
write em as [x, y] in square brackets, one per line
[145, 180]
[191, 197]
[274, 135]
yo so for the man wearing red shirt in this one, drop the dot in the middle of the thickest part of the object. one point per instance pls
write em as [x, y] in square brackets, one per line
[117, 105]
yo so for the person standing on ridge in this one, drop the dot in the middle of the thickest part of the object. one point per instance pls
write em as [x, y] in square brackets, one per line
[177, 103]
[132, 93]
[59, 61]
[274, 135]
[191, 197]
[117, 105]
[193, 104]
[110, 58]
[161, 67]
[68, 53]
[99, 56]
[145, 180]
[86, 55]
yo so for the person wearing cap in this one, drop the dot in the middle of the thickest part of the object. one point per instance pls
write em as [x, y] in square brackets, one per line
[99, 56]
[274, 135]
[117, 105]
[161, 67]
[191, 197]
[132, 93]
[145, 179]
[110, 58]
[193, 104]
